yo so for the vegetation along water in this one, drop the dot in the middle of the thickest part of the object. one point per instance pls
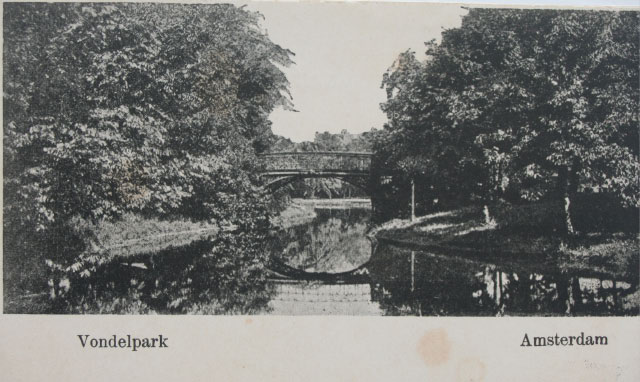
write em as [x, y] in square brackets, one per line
[505, 181]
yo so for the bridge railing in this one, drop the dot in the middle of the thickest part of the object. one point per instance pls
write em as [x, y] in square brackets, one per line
[317, 161]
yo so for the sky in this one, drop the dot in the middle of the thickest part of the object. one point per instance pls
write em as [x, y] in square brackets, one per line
[341, 52]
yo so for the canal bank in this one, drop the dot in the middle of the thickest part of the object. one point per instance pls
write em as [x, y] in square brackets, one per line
[588, 263]
[467, 232]
[337, 264]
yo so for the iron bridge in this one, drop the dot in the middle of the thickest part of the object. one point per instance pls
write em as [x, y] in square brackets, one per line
[282, 168]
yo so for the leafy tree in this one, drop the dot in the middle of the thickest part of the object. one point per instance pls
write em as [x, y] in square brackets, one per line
[150, 108]
[531, 102]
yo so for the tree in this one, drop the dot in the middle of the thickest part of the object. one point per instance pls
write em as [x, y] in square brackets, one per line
[419, 141]
[525, 98]
[149, 108]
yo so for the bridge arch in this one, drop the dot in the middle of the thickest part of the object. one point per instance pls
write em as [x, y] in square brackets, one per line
[282, 168]
[282, 271]
[359, 182]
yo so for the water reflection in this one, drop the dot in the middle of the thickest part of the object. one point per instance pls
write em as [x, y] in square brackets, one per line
[451, 285]
[390, 280]
[328, 266]
[205, 277]
[321, 298]
[334, 241]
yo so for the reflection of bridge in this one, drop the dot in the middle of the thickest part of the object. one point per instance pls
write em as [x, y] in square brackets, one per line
[314, 293]
[285, 167]
[280, 271]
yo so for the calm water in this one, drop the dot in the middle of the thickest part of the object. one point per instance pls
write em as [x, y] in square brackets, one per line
[329, 266]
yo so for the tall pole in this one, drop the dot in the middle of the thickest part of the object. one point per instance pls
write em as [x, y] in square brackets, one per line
[413, 271]
[413, 200]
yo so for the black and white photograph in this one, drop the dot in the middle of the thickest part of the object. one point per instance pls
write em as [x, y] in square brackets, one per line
[320, 159]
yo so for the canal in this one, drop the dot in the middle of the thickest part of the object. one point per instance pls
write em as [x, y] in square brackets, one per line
[326, 265]
[321, 261]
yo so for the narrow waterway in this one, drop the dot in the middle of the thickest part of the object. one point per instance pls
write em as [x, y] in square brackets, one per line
[321, 262]
[328, 266]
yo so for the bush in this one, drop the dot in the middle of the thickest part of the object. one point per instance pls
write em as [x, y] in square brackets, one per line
[543, 218]
[603, 212]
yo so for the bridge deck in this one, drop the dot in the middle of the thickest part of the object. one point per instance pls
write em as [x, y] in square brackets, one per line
[325, 163]
[366, 153]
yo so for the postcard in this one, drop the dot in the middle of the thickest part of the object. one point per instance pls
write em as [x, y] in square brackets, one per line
[320, 191]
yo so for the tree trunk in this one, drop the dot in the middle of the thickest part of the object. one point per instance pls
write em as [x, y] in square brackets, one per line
[487, 215]
[567, 214]
[568, 177]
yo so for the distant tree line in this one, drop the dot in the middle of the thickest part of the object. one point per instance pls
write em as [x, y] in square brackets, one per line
[326, 141]
[516, 105]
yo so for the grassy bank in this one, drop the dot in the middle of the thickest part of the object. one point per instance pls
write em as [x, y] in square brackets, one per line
[528, 236]
[335, 203]
[133, 235]
[121, 241]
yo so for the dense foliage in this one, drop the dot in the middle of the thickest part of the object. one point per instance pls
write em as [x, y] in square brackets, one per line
[154, 109]
[523, 105]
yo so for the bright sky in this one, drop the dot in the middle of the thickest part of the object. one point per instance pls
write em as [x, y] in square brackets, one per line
[341, 52]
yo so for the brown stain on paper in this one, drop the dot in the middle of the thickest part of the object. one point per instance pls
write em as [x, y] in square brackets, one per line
[471, 370]
[434, 347]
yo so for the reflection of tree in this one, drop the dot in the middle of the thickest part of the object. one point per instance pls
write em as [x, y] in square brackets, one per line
[446, 285]
[324, 188]
[441, 287]
[216, 276]
[530, 293]
[334, 242]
